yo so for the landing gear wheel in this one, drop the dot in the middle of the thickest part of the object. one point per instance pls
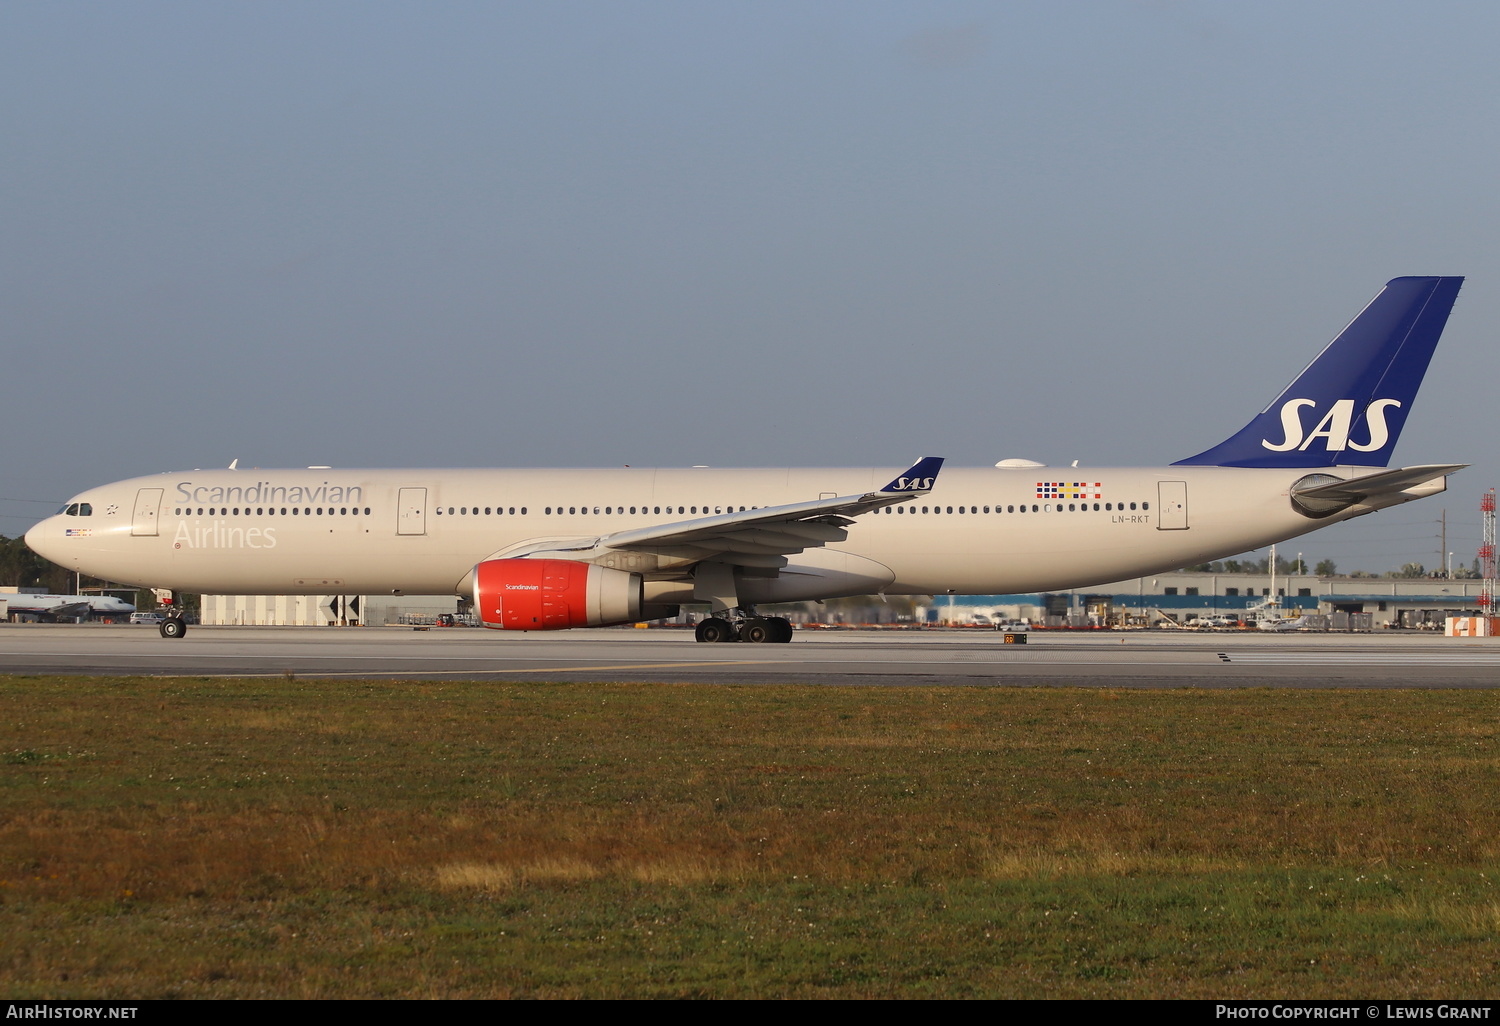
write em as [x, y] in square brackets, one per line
[715, 629]
[781, 629]
[173, 627]
[757, 630]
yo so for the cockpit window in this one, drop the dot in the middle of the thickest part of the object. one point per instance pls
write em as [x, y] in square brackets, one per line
[71, 509]
[85, 509]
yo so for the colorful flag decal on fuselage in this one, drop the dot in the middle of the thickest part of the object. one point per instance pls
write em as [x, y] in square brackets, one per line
[1068, 490]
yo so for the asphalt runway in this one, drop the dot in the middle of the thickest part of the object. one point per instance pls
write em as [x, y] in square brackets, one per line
[835, 657]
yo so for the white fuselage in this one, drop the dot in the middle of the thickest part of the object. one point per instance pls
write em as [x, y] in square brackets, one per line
[979, 531]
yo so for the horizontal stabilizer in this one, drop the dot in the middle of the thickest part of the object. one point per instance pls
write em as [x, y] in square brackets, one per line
[1386, 483]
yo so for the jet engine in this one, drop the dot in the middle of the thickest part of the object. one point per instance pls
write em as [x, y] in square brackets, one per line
[553, 594]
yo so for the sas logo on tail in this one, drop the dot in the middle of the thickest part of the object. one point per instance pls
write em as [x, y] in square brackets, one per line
[1334, 426]
[911, 484]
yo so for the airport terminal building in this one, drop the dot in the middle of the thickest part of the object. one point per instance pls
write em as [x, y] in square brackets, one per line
[1417, 602]
[1414, 602]
[323, 610]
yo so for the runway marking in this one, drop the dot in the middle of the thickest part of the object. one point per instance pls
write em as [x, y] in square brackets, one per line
[623, 666]
[516, 669]
[309, 657]
[824, 665]
[1368, 658]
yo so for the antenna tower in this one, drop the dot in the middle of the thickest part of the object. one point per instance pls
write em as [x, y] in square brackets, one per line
[1487, 556]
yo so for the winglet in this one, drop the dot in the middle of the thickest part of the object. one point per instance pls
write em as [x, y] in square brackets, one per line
[918, 480]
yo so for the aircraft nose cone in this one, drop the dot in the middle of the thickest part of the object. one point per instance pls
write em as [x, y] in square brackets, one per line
[42, 539]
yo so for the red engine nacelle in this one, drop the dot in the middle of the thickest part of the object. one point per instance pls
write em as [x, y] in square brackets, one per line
[553, 594]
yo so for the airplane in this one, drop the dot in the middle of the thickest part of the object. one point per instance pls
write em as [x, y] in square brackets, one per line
[55, 608]
[540, 549]
[1287, 623]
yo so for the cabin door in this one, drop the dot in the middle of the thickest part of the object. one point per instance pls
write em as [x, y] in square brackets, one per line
[147, 506]
[1171, 506]
[411, 516]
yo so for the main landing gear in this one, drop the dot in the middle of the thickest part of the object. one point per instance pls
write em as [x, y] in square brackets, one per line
[732, 620]
[755, 629]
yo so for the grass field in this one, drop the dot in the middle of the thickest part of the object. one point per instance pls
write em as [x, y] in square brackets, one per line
[308, 838]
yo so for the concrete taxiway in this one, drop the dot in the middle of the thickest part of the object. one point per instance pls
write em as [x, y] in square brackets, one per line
[1139, 659]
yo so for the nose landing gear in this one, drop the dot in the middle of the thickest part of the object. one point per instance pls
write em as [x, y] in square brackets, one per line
[174, 626]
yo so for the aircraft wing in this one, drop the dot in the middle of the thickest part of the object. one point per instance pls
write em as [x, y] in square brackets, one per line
[759, 537]
[755, 538]
[1387, 482]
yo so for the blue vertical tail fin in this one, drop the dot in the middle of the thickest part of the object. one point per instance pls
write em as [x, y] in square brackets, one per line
[1349, 405]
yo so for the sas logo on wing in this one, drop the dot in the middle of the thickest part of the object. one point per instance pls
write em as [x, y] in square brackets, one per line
[912, 484]
[1334, 426]
[1067, 490]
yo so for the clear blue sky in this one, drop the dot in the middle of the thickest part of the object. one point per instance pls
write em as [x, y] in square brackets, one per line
[594, 233]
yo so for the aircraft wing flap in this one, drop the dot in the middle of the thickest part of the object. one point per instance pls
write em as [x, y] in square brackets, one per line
[765, 541]
[731, 529]
[1384, 483]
